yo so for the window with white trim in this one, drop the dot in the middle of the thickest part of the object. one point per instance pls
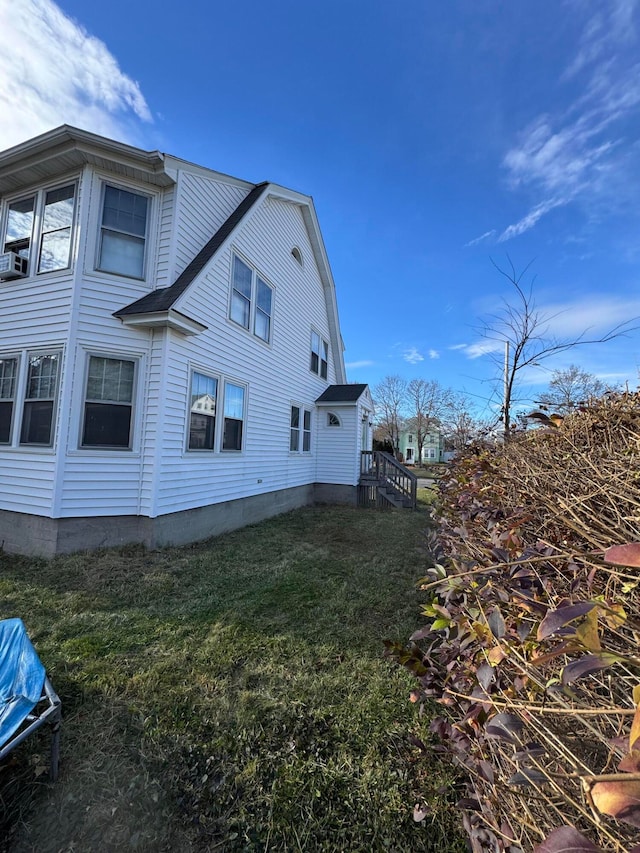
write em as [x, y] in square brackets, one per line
[333, 420]
[319, 355]
[300, 430]
[251, 300]
[123, 232]
[8, 381]
[108, 403]
[40, 398]
[202, 414]
[233, 416]
[39, 227]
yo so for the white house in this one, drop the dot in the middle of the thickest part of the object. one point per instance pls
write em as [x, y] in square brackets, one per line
[171, 363]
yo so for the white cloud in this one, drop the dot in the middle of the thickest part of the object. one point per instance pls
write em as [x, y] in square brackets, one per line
[481, 238]
[482, 347]
[354, 365]
[576, 156]
[458, 346]
[594, 316]
[433, 353]
[412, 355]
[54, 72]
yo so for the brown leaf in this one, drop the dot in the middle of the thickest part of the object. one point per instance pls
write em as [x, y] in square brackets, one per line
[566, 839]
[624, 555]
[630, 763]
[556, 619]
[618, 799]
[587, 632]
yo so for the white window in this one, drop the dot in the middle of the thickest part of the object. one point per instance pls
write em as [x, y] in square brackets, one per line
[319, 355]
[8, 379]
[202, 416]
[333, 420]
[108, 403]
[40, 398]
[251, 300]
[233, 420]
[39, 227]
[300, 431]
[123, 232]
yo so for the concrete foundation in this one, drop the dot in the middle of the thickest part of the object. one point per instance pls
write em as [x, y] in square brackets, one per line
[37, 536]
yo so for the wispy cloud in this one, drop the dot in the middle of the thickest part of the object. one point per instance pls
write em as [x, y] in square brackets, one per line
[412, 355]
[458, 346]
[486, 236]
[570, 156]
[433, 353]
[54, 72]
[355, 365]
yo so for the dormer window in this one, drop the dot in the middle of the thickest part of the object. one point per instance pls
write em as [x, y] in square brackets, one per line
[42, 221]
[123, 232]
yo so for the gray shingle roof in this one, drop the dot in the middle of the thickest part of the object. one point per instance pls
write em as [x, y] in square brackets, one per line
[164, 298]
[341, 394]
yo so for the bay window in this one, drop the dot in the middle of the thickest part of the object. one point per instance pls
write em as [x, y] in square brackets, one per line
[108, 403]
[39, 227]
[40, 398]
[123, 232]
[8, 376]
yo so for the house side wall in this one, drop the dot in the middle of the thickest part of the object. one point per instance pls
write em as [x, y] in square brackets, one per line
[337, 446]
[202, 206]
[276, 375]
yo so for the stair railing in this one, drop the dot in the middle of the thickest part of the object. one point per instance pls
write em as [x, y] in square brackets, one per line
[388, 472]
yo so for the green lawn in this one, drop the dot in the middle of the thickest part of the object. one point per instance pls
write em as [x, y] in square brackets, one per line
[232, 695]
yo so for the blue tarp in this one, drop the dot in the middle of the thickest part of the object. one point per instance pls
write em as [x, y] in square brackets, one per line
[21, 677]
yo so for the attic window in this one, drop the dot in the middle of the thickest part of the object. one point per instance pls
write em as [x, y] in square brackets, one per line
[297, 254]
[332, 420]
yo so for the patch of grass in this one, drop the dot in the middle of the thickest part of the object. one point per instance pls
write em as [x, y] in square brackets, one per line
[232, 695]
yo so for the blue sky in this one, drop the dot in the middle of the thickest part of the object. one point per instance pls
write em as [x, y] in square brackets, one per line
[434, 137]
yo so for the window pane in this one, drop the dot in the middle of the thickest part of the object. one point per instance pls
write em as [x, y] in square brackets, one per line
[307, 419]
[306, 442]
[315, 343]
[263, 326]
[323, 369]
[232, 438]
[6, 411]
[54, 250]
[8, 369]
[242, 277]
[314, 362]
[122, 254]
[42, 377]
[202, 430]
[294, 440]
[106, 425]
[125, 211]
[20, 226]
[37, 419]
[202, 423]
[110, 379]
[264, 297]
[233, 401]
[58, 209]
[240, 309]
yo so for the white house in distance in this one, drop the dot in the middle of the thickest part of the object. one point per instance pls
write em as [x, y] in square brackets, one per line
[171, 363]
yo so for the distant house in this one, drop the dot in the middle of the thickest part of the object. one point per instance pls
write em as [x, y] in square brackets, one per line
[432, 447]
[171, 361]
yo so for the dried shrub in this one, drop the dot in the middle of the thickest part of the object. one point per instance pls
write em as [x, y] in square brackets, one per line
[532, 637]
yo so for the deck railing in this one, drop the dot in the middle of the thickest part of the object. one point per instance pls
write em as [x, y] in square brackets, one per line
[381, 468]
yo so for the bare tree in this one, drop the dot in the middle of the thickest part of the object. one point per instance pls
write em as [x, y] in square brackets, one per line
[571, 387]
[390, 397]
[460, 424]
[524, 331]
[427, 403]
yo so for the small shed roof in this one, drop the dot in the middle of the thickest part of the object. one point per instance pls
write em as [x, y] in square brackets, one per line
[342, 394]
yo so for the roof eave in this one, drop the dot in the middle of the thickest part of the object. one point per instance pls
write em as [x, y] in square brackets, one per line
[67, 148]
[169, 319]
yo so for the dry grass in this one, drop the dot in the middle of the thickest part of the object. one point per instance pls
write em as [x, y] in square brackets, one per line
[229, 696]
